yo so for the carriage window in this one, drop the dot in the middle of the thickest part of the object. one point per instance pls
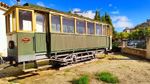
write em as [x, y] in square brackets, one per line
[25, 20]
[90, 28]
[80, 27]
[55, 23]
[7, 22]
[68, 25]
[104, 30]
[40, 23]
[11, 24]
[98, 29]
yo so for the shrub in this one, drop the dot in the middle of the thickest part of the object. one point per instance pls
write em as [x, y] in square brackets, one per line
[81, 80]
[106, 77]
[67, 70]
[115, 45]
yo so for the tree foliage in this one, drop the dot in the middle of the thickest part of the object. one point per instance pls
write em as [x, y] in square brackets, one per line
[97, 16]
[103, 19]
[70, 11]
[139, 34]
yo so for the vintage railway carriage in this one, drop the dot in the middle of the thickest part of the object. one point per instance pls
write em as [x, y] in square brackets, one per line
[35, 32]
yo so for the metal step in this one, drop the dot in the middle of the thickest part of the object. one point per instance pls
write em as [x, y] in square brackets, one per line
[30, 70]
[35, 69]
[41, 60]
[41, 57]
[45, 66]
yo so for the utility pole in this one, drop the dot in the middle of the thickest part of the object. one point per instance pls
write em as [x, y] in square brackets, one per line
[18, 2]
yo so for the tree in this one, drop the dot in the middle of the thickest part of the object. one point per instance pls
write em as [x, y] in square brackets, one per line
[70, 11]
[99, 17]
[96, 16]
[103, 18]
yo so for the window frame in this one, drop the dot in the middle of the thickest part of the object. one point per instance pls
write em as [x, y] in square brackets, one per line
[73, 25]
[7, 22]
[32, 22]
[100, 30]
[44, 20]
[87, 27]
[76, 26]
[51, 22]
[105, 30]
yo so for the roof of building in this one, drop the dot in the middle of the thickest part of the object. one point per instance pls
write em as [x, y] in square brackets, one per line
[4, 6]
[127, 28]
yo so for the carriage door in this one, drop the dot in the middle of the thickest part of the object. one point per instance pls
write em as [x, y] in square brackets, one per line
[40, 34]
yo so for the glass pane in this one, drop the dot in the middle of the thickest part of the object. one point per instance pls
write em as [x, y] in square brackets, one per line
[98, 29]
[40, 23]
[7, 22]
[55, 23]
[14, 16]
[25, 20]
[11, 24]
[80, 27]
[68, 25]
[90, 28]
[104, 30]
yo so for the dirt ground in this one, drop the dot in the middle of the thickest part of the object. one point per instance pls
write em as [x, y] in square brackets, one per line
[128, 68]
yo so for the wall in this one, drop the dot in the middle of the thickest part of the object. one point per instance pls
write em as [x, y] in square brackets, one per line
[3, 38]
[135, 51]
[148, 47]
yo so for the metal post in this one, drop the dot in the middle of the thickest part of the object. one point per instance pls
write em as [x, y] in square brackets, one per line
[24, 66]
[35, 64]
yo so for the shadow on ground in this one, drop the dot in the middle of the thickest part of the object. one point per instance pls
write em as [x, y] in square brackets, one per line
[129, 57]
[16, 72]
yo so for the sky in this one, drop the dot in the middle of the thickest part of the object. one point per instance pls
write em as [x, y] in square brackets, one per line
[124, 13]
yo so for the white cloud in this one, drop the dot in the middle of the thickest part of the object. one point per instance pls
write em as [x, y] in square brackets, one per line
[121, 22]
[76, 9]
[114, 12]
[12, 2]
[52, 4]
[110, 5]
[115, 7]
[40, 3]
[88, 14]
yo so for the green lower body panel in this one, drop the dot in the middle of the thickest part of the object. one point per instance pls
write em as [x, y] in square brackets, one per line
[65, 42]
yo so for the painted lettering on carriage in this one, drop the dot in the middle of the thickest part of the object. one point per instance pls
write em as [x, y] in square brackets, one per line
[25, 40]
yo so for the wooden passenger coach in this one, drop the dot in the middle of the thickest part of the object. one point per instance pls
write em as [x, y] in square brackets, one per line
[35, 32]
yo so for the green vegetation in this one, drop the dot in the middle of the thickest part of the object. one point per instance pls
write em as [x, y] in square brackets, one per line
[15, 82]
[115, 45]
[31, 65]
[139, 34]
[107, 77]
[68, 71]
[81, 80]
[70, 11]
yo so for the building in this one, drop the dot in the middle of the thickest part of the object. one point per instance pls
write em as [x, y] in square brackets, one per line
[3, 39]
[145, 24]
[128, 30]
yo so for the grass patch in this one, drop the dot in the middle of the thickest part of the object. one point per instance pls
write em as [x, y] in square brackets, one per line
[68, 71]
[81, 80]
[15, 81]
[107, 77]
[31, 65]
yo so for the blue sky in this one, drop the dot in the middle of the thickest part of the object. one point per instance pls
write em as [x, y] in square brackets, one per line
[124, 13]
